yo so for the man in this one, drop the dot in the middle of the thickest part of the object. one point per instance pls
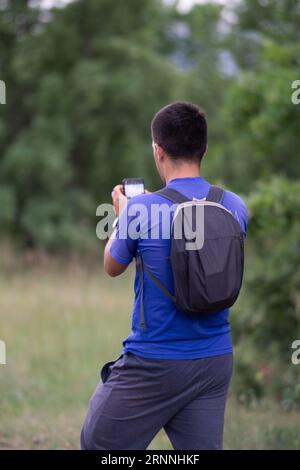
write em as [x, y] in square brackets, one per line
[175, 373]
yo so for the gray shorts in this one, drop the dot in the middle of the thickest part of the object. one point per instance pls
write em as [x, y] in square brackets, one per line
[138, 396]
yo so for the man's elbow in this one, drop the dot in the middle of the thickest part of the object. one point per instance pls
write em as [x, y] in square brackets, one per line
[109, 270]
[112, 267]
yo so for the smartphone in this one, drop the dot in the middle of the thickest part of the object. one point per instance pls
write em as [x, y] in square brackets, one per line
[133, 187]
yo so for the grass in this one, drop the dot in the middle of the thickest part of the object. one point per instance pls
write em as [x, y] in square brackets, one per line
[60, 326]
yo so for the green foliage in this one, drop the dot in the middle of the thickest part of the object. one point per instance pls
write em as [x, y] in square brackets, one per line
[75, 123]
[263, 124]
[248, 384]
[256, 21]
[267, 318]
[273, 281]
[83, 84]
[283, 438]
[291, 397]
[7, 204]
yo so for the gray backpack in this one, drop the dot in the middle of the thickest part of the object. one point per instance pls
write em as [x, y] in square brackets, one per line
[207, 275]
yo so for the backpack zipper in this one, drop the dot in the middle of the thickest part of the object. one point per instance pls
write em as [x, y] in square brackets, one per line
[198, 202]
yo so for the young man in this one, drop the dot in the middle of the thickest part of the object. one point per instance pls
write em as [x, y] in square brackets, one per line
[173, 374]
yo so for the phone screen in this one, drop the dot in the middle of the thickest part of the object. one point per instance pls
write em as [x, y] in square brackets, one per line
[133, 187]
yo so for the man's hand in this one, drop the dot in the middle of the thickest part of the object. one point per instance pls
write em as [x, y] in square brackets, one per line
[119, 198]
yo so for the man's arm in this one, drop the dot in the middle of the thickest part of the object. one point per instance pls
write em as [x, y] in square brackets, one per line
[112, 267]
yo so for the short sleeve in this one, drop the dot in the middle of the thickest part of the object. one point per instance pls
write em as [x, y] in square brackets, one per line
[244, 219]
[238, 209]
[124, 245]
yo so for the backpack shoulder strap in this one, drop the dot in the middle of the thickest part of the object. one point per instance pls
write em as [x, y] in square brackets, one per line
[141, 268]
[174, 196]
[215, 194]
[139, 265]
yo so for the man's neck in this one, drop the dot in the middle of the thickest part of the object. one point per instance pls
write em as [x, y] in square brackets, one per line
[183, 171]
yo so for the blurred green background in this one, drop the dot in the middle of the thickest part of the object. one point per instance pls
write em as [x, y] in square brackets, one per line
[83, 80]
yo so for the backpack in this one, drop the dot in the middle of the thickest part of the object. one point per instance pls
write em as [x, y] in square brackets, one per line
[208, 276]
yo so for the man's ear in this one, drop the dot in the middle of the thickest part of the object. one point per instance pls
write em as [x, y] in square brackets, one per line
[160, 153]
[205, 150]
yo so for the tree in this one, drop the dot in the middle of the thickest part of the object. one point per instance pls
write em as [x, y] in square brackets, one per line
[262, 123]
[83, 84]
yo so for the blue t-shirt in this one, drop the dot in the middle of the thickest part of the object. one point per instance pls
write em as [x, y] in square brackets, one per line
[170, 333]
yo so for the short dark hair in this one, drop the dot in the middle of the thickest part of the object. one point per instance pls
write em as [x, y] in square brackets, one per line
[180, 128]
